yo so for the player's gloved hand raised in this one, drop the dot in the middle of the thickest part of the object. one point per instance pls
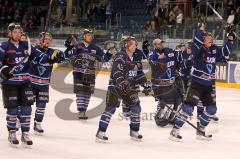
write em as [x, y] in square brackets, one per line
[201, 25]
[55, 56]
[70, 42]
[5, 73]
[231, 36]
[147, 88]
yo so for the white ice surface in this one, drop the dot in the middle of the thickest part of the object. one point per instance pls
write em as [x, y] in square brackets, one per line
[76, 140]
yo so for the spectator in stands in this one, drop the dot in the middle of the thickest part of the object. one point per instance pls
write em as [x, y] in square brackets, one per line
[179, 17]
[230, 6]
[102, 15]
[237, 17]
[231, 17]
[150, 6]
[172, 15]
[109, 11]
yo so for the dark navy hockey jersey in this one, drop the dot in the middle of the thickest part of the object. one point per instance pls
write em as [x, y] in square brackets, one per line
[126, 68]
[40, 72]
[84, 57]
[185, 64]
[204, 60]
[171, 62]
[11, 55]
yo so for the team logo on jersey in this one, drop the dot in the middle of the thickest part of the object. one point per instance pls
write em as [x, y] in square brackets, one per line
[85, 63]
[209, 68]
[120, 66]
[21, 67]
[171, 55]
[41, 70]
[169, 73]
[214, 51]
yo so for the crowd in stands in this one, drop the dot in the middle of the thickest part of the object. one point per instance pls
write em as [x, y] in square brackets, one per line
[17, 11]
[98, 12]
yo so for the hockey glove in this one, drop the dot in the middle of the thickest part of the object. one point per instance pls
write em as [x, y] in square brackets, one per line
[231, 36]
[5, 73]
[147, 88]
[55, 56]
[201, 25]
[70, 42]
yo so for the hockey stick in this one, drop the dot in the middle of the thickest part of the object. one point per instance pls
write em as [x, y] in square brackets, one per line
[191, 124]
[221, 18]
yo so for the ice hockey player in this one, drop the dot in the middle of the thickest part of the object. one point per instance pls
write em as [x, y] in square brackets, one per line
[185, 69]
[205, 56]
[164, 62]
[124, 76]
[186, 65]
[86, 54]
[16, 87]
[40, 74]
[138, 55]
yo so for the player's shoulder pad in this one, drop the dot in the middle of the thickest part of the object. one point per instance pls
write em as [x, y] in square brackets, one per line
[4, 45]
[24, 43]
[120, 55]
[169, 52]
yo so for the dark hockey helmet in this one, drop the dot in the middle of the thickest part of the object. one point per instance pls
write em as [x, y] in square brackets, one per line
[13, 26]
[42, 35]
[87, 31]
[125, 41]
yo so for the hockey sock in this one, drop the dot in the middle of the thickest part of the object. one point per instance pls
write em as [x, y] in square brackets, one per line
[184, 113]
[200, 108]
[11, 118]
[106, 117]
[205, 118]
[82, 101]
[40, 110]
[135, 117]
[25, 118]
[125, 107]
